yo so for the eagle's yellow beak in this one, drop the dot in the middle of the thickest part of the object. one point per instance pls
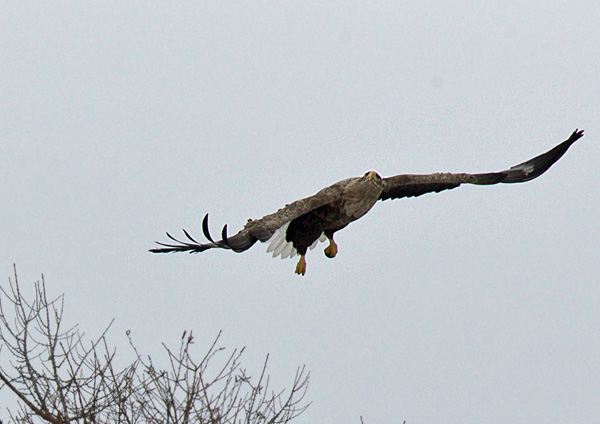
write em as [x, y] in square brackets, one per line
[372, 175]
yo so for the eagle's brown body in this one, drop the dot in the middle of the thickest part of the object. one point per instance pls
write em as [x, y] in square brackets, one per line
[298, 226]
[357, 198]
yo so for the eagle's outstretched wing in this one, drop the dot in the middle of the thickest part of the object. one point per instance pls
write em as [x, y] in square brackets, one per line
[415, 185]
[255, 230]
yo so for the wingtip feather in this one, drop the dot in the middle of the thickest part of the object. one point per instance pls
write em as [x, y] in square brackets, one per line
[224, 238]
[205, 229]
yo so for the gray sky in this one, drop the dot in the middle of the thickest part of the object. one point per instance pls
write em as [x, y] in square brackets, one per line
[124, 120]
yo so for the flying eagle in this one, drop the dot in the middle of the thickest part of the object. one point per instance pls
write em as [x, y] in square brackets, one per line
[300, 225]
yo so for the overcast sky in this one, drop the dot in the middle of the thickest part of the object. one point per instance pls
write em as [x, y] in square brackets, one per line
[122, 120]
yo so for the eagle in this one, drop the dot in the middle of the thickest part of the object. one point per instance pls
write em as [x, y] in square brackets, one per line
[302, 224]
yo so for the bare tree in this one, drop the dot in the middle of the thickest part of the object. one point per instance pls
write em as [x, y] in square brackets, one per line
[58, 377]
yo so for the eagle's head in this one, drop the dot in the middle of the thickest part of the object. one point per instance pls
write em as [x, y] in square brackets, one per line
[372, 176]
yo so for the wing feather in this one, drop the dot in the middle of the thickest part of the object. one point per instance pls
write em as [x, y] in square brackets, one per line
[264, 228]
[260, 229]
[411, 185]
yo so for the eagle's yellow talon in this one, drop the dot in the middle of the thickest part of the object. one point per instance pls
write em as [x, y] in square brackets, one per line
[301, 266]
[331, 250]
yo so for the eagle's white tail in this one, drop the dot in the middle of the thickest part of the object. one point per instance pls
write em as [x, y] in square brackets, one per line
[280, 246]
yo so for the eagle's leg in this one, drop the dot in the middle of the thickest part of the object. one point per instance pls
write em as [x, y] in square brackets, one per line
[331, 250]
[301, 266]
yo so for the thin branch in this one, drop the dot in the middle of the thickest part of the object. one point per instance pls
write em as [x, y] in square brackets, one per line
[57, 377]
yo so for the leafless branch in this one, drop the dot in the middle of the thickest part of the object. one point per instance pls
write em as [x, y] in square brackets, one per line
[58, 377]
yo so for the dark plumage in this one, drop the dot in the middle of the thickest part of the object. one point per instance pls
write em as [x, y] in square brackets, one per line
[298, 226]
